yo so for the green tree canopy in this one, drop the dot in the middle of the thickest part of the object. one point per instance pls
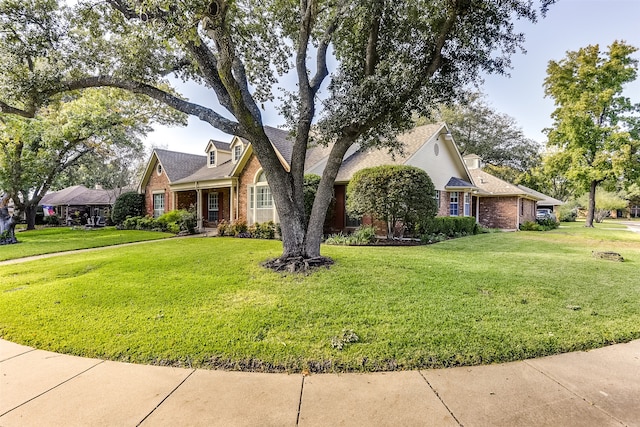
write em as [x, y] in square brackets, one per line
[496, 137]
[595, 127]
[392, 194]
[394, 58]
[34, 152]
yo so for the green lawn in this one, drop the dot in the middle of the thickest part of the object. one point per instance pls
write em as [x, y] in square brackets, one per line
[59, 239]
[207, 302]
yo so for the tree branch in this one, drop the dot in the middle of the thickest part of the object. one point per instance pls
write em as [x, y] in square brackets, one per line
[371, 58]
[205, 114]
[8, 109]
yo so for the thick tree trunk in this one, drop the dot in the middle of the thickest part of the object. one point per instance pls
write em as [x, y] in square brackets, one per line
[30, 213]
[592, 204]
[323, 197]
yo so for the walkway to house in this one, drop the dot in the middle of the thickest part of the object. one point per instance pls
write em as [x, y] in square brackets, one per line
[596, 388]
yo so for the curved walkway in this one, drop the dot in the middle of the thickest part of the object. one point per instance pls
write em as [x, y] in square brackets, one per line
[595, 388]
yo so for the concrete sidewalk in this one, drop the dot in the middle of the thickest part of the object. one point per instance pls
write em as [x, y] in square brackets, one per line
[595, 388]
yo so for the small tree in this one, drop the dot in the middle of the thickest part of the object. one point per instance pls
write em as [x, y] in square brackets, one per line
[596, 127]
[392, 194]
[127, 204]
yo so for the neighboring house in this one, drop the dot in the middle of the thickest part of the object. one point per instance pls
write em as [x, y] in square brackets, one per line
[545, 202]
[227, 183]
[500, 204]
[79, 202]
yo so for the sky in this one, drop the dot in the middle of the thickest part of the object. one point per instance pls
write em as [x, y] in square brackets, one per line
[568, 26]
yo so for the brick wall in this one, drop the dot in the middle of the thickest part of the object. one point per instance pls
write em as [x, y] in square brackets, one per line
[499, 212]
[245, 179]
[186, 199]
[528, 212]
[443, 209]
[156, 183]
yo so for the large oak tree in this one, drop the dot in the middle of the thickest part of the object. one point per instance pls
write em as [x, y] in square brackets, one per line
[389, 59]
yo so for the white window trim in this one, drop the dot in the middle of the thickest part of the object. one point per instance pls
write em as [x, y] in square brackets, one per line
[457, 203]
[156, 211]
[252, 201]
[215, 158]
[236, 158]
[466, 205]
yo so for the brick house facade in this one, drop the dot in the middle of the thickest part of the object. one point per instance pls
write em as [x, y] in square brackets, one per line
[227, 183]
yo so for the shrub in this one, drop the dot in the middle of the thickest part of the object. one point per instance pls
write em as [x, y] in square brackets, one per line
[266, 230]
[449, 226]
[177, 221]
[224, 228]
[530, 226]
[363, 235]
[130, 204]
[237, 227]
[392, 194]
[539, 225]
[51, 220]
[338, 239]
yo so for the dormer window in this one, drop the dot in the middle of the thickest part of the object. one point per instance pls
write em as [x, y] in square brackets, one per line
[212, 158]
[237, 152]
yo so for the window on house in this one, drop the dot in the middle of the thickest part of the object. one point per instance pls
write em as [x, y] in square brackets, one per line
[521, 207]
[261, 207]
[437, 197]
[158, 205]
[467, 204]
[453, 204]
[237, 152]
[212, 158]
[213, 207]
[159, 169]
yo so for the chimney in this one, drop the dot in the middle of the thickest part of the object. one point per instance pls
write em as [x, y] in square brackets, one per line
[473, 161]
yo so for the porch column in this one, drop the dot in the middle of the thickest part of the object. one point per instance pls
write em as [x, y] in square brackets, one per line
[477, 210]
[199, 209]
[231, 203]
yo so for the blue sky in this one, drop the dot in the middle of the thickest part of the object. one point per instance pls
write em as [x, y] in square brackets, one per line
[569, 25]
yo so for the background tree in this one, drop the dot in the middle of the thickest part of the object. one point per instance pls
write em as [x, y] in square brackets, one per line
[550, 176]
[34, 152]
[595, 126]
[393, 59]
[496, 137]
[606, 202]
[392, 194]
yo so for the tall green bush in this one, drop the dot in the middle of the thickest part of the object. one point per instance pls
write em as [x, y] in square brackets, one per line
[128, 204]
[392, 194]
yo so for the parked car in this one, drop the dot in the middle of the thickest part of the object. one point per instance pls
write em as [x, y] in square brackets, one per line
[545, 213]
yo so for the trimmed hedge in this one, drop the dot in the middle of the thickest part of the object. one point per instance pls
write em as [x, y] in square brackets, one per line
[450, 226]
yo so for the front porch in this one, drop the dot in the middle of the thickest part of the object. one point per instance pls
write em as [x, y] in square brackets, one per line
[212, 205]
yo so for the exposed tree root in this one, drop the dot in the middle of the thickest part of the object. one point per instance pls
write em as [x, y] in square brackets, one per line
[297, 264]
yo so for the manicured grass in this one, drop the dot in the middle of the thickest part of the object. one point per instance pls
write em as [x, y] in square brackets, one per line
[60, 239]
[207, 302]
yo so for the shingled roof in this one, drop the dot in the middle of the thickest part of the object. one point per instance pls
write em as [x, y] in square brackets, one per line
[78, 195]
[544, 199]
[179, 165]
[411, 141]
[206, 173]
[490, 185]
